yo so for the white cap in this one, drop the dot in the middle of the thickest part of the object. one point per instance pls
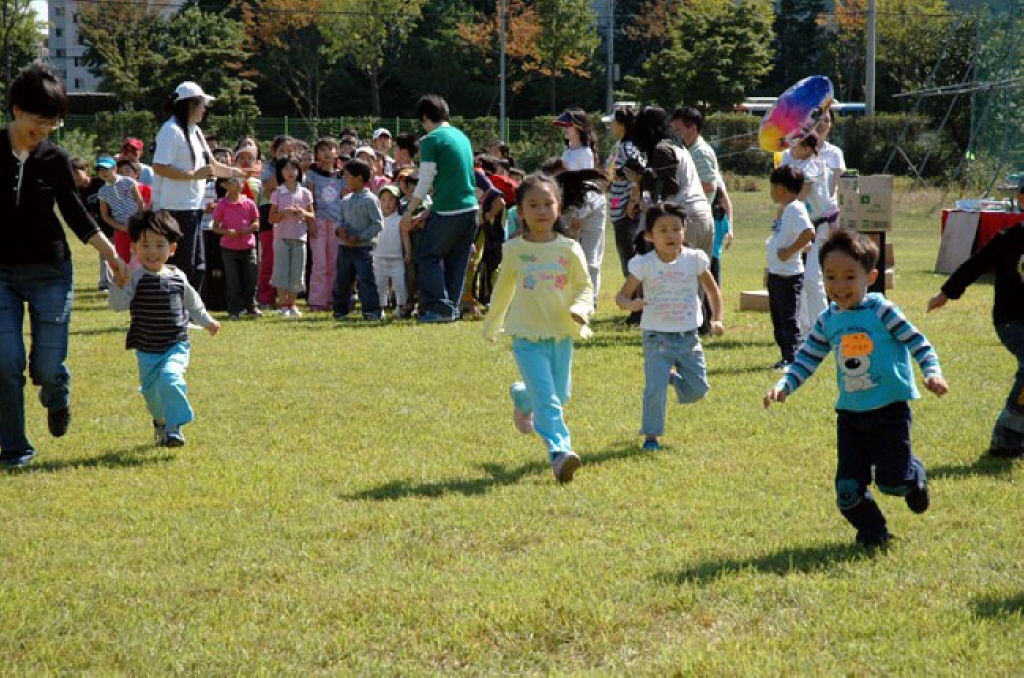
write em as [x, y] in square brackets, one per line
[369, 150]
[381, 132]
[190, 90]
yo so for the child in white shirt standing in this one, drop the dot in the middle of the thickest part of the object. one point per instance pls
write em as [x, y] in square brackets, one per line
[389, 255]
[672, 312]
[791, 233]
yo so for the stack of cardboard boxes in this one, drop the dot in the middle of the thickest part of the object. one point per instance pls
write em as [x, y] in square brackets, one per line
[865, 205]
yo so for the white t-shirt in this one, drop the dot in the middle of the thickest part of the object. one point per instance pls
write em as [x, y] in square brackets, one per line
[793, 222]
[578, 158]
[670, 290]
[172, 149]
[389, 242]
[819, 174]
[836, 161]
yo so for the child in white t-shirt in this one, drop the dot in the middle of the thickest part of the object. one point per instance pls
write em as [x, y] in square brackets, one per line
[791, 233]
[671, 276]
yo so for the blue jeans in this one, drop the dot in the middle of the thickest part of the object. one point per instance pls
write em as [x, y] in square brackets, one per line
[47, 290]
[355, 264]
[1008, 433]
[442, 257]
[546, 369]
[663, 350]
[162, 384]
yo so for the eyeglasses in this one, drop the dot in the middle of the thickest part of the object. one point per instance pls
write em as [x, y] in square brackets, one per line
[47, 125]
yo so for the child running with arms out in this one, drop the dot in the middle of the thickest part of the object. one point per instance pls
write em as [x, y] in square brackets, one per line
[671, 315]
[161, 302]
[542, 298]
[873, 342]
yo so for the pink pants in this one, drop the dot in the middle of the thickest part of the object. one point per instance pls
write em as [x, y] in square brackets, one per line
[324, 253]
[265, 292]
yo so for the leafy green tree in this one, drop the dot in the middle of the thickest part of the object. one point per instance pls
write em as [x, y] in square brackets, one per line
[799, 43]
[567, 40]
[720, 52]
[369, 37]
[20, 38]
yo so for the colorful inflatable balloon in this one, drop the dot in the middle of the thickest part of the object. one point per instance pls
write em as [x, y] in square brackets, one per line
[795, 113]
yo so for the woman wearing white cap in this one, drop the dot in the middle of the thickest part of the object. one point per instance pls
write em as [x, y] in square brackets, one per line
[182, 163]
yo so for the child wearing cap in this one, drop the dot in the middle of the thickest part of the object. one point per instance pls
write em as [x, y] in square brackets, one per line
[119, 200]
[389, 255]
[382, 144]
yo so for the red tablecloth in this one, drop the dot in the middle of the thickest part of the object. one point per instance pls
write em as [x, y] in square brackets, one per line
[989, 223]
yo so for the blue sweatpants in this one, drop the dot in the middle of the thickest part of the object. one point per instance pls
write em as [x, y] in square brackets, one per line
[162, 384]
[546, 369]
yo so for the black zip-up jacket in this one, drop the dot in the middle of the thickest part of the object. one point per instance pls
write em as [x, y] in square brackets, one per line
[1004, 253]
[30, 232]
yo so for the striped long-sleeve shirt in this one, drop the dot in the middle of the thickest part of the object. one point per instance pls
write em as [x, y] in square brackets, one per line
[873, 343]
[161, 305]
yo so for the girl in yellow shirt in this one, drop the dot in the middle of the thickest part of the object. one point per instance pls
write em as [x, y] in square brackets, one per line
[542, 298]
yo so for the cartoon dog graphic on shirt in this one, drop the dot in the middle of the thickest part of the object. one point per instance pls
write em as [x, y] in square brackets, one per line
[854, 360]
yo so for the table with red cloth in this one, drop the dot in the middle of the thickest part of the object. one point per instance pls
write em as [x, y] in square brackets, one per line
[952, 255]
[989, 223]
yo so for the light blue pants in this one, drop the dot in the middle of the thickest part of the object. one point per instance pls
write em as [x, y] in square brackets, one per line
[162, 384]
[546, 369]
[662, 351]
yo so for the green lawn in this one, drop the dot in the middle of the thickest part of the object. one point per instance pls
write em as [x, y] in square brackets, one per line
[353, 499]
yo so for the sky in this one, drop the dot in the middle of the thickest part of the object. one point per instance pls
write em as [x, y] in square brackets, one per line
[40, 7]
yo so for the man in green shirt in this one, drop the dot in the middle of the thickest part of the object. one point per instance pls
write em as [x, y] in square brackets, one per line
[442, 254]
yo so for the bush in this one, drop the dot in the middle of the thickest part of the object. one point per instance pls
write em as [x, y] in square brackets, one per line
[79, 144]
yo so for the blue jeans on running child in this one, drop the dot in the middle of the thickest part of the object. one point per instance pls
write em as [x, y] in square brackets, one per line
[162, 384]
[546, 369]
[1008, 433]
[442, 257]
[47, 290]
[662, 351]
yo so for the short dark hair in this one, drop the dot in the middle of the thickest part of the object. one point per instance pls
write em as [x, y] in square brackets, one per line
[488, 163]
[128, 162]
[160, 222]
[37, 90]
[358, 168]
[690, 116]
[325, 142]
[279, 141]
[79, 164]
[665, 209]
[552, 166]
[407, 141]
[857, 246]
[432, 107]
[789, 177]
[281, 163]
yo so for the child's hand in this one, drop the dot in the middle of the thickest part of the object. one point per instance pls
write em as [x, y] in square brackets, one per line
[717, 328]
[782, 253]
[120, 272]
[937, 385]
[634, 305]
[774, 395]
[938, 301]
[213, 328]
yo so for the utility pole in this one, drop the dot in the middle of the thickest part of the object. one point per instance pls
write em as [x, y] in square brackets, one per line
[610, 96]
[501, 105]
[869, 86]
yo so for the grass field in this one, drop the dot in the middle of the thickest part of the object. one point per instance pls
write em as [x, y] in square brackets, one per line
[353, 499]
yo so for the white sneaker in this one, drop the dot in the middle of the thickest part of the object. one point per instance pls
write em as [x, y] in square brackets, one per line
[564, 466]
[294, 312]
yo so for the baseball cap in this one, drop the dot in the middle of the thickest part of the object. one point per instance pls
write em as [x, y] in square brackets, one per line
[190, 90]
[134, 143]
[369, 150]
[390, 188]
[381, 132]
[105, 162]
[251, 150]
[570, 119]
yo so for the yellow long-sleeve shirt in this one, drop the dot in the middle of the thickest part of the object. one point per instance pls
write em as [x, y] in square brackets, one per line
[539, 287]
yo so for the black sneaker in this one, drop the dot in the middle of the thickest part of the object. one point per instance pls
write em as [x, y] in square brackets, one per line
[159, 433]
[874, 540]
[58, 420]
[1003, 453]
[10, 459]
[917, 498]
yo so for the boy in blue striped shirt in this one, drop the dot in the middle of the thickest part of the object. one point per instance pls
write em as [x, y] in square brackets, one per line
[873, 342]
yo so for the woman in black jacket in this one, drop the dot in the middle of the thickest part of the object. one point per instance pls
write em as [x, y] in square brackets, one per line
[35, 259]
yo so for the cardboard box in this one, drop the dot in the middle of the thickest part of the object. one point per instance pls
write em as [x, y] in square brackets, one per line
[890, 278]
[755, 300]
[865, 203]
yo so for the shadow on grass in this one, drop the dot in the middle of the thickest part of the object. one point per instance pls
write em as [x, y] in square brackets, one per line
[132, 457]
[985, 465]
[497, 475]
[98, 331]
[787, 561]
[999, 606]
